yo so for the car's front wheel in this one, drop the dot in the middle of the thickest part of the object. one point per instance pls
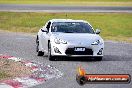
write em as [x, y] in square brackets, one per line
[39, 53]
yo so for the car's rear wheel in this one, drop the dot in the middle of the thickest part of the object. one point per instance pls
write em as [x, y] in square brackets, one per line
[50, 57]
[98, 58]
[39, 53]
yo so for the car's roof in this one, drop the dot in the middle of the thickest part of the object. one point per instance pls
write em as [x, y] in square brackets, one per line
[67, 20]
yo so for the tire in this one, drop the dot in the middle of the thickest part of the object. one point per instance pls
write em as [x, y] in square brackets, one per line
[39, 53]
[50, 57]
[98, 58]
[37, 44]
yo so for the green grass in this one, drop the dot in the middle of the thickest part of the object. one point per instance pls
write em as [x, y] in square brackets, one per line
[71, 2]
[115, 26]
[3, 75]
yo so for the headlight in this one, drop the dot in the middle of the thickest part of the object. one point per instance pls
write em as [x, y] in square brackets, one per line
[58, 41]
[97, 42]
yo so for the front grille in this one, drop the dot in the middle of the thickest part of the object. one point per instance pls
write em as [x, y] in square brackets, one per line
[70, 51]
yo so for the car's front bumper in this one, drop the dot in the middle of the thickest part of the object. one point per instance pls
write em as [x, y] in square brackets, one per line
[68, 50]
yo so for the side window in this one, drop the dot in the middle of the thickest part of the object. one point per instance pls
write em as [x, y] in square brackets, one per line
[48, 26]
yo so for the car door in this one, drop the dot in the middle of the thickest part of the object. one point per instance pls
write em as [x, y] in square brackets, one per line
[45, 36]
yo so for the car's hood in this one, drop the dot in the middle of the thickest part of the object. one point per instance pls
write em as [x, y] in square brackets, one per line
[77, 37]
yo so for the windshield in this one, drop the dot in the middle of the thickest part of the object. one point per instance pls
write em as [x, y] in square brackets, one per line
[71, 27]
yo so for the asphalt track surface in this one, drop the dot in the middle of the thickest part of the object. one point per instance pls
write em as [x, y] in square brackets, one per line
[117, 60]
[55, 8]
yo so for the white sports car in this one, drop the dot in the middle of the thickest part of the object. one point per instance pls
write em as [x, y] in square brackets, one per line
[70, 38]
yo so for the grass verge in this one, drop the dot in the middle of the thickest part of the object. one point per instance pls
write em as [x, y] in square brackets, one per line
[10, 69]
[71, 2]
[114, 26]
[4, 75]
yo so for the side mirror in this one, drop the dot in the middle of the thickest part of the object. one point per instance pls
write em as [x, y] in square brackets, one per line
[97, 31]
[43, 30]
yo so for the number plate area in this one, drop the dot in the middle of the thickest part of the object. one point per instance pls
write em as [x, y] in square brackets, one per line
[79, 49]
